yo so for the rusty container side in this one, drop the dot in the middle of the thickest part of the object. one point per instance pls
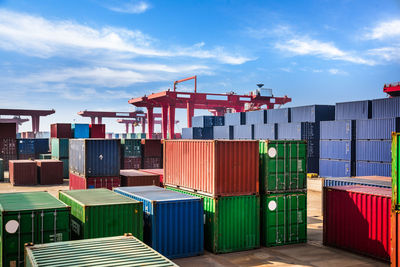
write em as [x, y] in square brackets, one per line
[138, 178]
[23, 172]
[50, 171]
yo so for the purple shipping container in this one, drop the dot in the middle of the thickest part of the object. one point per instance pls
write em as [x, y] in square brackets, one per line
[374, 150]
[61, 130]
[256, 117]
[223, 132]
[377, 129]
[335, 168]
[338, 130]
[313, 113]
[386, 108]
[353, 110]
[265, 131]
[366, 168]
[336, 149]
[280, 115]
[244, 132]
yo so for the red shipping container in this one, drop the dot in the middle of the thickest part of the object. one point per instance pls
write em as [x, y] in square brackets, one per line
[213, 167]
[132, 163]
[159, 172]
[138, 178]
[152, 163]
[77, 182]
[61, 130]
[8, 146]
[8, 130]
[50, 171]
[152, 148]
[23, 172]
[357, 218]
[97, 130]
[395, 240]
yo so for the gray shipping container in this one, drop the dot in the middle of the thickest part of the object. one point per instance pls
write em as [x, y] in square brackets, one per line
[313, 113]
[281, 115]
[265, 131]
[353, 110]
[386, 108]
[244, 132]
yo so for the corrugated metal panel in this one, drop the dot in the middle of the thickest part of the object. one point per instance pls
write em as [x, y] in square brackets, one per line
[131, 163]
[231, 223]
[174, 221]
[386, 108]
[282, 166]
[138, 178]
[357, 218]
[313, 113]
[121, 251]
[237, 118]
[256, 117]
[335, 168]
[265, 131]
[283, 219]
[102, 213]
[23, 172]
[61, 130]
[41, 146]
[353, 110]
[223, 132]
[152, 163]
[60, 148]
[338, 130]
[94, 157]
[80, 130]
[97, 130]
[374, 150]
[77, 182]
[213, 167]
[368, 168]
[8, 130]
[395, 239]
[344, 181]
[50, 171]
[131, 147]
[35, 217]
[377, 129]
[159, 172]
[281, 115]
[244, 132]
[152, 148]
[207, 121]
[26, 146]
[335, 149]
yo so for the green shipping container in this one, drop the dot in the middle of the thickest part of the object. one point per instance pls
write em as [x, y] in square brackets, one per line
[131, 147]
[102, 213]
[231, 223]
[282, 166]
[35, 217]
[45, 156]
[283, 219]
[109, 251]
[395, 172]
[59, 148]
[1, 170]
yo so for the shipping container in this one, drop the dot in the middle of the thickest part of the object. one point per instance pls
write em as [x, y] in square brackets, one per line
[386, 108]
[198, 133]
[374, 150]
[49, 171]
[41, 146]
[141, 135]
[23, 172]
[256, 117]
[243, 132]
[152, 163]
[216, 168]
[109, 251]
[207, 121]
[65, 168]
[6, 160]
[357, 218]
[354, 110]
[313, 113]
[61, 130]
[131, 148]
[59, 148]
[265, 131]
[369, 168]
[232, 223]
[221, 132]
[123, 135]
[375, 181]
[280, 115]
[8, 146]
[77, 182]
[395, 238]
[283, 219]
[80, 130]
[102, 213]
[1, 170]
[34, 217]
[26, 146]
[97, 131]
[236, 118]
[336, 168]
[394, 169]
[138, 178]
[173, 222]
[338, 130]
[94, 157]
[152, 148]
[44, 156]
[337, 149]
[8, 130]
[282, 166]
[159, 172]
[131, 163]
[377, 129]
[312, 165]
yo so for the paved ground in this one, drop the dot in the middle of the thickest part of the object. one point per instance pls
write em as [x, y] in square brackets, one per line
[313, 253]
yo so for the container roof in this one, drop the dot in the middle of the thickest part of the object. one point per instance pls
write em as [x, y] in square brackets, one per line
[370, 190]
[97, 197]
[29, 201]
[155, 195]
[135, 173]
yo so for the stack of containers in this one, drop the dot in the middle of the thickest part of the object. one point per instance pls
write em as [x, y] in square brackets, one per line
[203, 127]
[225, 175]
[259, 121]
[283, 190]
[8, 143]
[337, 148]
[395, 214]
[60, 134]
[131, 154]
[237, 121]
[94, 163]
[152, 154]
[80, 130]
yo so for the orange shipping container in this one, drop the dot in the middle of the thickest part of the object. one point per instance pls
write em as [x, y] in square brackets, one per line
[212, 167]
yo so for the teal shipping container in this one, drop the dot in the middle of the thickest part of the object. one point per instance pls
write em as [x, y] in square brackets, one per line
[59, 148]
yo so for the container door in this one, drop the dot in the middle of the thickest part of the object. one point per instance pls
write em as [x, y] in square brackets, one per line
[297, 218]
[274, 224]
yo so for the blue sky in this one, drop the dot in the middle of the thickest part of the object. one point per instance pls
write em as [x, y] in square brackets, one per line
[96, 55]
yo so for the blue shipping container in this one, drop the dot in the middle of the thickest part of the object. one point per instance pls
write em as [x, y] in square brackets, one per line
[26, 146]
[367, 168]
[280, 115]
[223, 132]
[335, 168]
[41, 146]
[338, 130]
[377, 129]
[207, 121]
[265, 131]
[94, 157]
[80, 130]
[116, 136]
[386, 108]
[173, 222]
[374, 150]
[343, 181]
[313, 113]
[237, 118]
[336, 149]
[245, 132]
[353, 110]
[313, 164]
[256, 117]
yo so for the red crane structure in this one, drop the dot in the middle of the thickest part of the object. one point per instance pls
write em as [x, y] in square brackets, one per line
[34, 114]
[217, 104]
[17, 120]
[136, 122]
[393, 89]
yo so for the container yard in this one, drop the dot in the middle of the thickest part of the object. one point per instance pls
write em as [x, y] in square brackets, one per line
[211, 133]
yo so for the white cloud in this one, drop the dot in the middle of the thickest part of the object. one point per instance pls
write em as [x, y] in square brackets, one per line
[386, 53]
[337, 72]
[132, 7]
[384, 30]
